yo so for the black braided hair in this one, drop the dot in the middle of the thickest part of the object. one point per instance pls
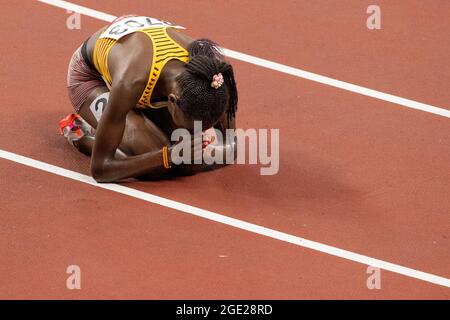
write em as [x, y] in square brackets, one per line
[198, 99]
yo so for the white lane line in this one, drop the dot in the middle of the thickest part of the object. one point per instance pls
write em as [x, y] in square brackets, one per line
[280, 67]
[337, 83]
[80, 9]
[236, 223]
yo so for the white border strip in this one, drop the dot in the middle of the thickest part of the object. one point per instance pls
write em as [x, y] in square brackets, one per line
[280, 67]
[236, 223]
[337, 83]
[80, 9]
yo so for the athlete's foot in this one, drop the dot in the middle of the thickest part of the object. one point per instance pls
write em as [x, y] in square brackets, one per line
[78, 132]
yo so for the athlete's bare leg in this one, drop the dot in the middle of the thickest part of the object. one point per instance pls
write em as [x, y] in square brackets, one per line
[141, 134]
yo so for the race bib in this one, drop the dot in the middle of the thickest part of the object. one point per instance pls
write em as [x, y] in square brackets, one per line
[129, 25]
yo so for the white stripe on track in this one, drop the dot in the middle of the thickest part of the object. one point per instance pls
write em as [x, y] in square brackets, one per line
[236, 223]
[280, 67]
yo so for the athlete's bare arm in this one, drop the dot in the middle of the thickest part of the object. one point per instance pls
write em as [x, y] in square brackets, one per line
[129, 67]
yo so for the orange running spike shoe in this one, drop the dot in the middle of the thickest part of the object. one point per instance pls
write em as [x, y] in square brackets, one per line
[73, 127]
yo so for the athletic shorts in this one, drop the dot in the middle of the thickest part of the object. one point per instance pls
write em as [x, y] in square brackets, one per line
[81, 78]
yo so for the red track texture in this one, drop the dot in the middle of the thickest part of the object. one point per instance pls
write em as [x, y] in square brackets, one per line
[355, 172]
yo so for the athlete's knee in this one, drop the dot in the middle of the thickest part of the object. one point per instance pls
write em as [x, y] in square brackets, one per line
[98, 104]
[94, 106]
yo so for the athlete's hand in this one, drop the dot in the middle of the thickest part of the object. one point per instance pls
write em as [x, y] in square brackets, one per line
[188, 150]
[207, 139]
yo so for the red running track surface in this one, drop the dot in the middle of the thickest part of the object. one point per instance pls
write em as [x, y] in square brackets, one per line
[356, 173]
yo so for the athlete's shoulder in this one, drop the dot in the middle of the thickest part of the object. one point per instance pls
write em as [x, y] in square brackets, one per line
[131, 58]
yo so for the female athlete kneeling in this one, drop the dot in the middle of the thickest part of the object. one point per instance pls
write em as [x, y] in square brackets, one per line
[133, 83]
